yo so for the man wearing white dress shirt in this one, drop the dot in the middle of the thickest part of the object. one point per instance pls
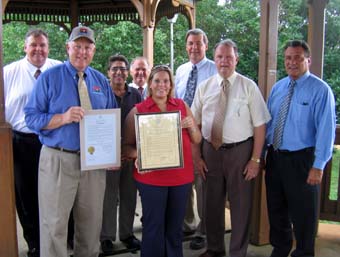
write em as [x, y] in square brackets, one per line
[139, 71]
[196, 47]
[232, 115]
[19, 80]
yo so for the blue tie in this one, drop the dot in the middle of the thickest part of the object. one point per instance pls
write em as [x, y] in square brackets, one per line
[280, 123]
[191, 86]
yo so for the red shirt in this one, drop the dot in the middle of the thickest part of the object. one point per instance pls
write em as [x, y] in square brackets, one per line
[169, 177]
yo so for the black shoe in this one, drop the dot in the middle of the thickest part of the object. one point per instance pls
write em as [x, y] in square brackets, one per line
[197, 243]
[107, 246]
[33, 252]
[131, 243]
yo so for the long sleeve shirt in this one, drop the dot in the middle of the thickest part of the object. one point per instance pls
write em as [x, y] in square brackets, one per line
[311, 119]
[55, 92]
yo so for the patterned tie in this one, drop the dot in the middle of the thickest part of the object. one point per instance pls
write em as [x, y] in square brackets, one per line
[221, 109]
[280, 123]
[83, 94]
[37, 73]
[191, 86]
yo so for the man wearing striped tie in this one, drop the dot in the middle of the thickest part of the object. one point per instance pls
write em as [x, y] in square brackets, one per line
[54, 110]
[232, 115]
[300, 140]
[19, 80]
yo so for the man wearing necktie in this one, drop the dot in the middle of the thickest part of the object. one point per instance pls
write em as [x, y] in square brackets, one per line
[139, 71]
[57, 104]
[232, 115]
[19, 80]
[300, 140]
[188, 77]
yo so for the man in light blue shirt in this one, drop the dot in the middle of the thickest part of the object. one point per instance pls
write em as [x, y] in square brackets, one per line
[196, 47]
[297, 156]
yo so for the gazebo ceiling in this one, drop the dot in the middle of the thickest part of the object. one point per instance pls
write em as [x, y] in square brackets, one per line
[70, 13]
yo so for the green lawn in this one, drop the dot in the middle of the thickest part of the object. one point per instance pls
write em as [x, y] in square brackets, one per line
[333, 194]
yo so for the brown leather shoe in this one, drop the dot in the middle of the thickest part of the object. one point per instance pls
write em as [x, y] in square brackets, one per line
[209, 253]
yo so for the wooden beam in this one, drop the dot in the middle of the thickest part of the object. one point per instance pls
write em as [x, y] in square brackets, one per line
[316, 34]
[259, 234]
[8, 237]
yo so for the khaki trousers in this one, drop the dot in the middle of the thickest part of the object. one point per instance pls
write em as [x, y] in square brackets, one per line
[62, 186]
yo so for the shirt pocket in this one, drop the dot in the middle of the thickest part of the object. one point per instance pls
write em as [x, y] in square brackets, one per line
[238, 107]
[301, 112]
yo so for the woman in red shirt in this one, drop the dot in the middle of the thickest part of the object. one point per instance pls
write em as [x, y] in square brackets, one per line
[163, 192]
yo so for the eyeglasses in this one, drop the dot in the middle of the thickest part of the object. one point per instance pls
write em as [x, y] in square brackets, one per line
[115, 69]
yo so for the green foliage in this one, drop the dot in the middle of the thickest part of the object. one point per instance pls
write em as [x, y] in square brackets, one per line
[236, 19]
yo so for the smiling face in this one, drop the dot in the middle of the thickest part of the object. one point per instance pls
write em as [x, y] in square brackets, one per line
[36, 49]
[118, 73]
[160, 84]
[196, 48]
[226, 60]
[139, 71]
[80, 52]
[296, 62]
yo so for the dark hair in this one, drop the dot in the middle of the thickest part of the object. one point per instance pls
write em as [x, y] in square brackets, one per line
[227, 42]
[117, 58]
[197, 32]
[298, 43]
[154, 71]
[35, 33]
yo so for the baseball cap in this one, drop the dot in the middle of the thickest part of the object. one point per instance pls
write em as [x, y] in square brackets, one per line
[82, 31]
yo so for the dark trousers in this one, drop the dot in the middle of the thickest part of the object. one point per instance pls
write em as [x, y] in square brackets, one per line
[26, 152]
[163, 214]
[225, 177]
[292, 203]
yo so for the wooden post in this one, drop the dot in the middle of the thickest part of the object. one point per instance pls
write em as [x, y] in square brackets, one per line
[259, 234]
[8, 237]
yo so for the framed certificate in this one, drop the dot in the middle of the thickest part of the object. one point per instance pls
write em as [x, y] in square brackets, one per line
[100, 139]
[159, 141]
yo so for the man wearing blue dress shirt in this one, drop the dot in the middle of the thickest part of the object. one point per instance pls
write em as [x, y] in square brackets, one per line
[54, 112]
[294, 166]
[196, 47]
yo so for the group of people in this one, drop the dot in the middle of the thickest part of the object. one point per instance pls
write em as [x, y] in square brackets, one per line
[228, 134]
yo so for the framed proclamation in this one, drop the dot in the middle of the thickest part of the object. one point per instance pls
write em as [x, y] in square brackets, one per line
[159, 141]
[100, 139]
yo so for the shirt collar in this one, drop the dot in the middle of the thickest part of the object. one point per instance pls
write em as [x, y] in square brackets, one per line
[149, 102]
[200, 63]
[73, 70]
[231, 79]
[302, 78]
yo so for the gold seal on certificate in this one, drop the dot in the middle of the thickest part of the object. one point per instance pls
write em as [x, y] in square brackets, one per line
[159, 141]
[100, 139]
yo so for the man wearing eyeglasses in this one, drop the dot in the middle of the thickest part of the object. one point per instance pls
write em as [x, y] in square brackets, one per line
[120, 183]
[54, 111]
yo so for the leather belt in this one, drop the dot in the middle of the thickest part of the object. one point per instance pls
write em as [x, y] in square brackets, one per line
[64, 150]
[231, 145]
[287, 152]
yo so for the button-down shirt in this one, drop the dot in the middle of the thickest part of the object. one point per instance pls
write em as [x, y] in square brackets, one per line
[246, 108]
[205, 69]
[55, 92]
[311, 119]
[19, 82]
[145, 89]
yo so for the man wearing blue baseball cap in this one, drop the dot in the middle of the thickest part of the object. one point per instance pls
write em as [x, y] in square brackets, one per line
[54, 110]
